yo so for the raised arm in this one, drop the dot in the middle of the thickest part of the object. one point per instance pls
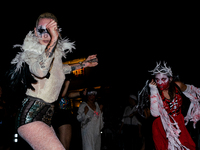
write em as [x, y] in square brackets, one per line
[182, 86]
[65, 88]
[91, 61]
[52, 28]
[193, 114]
[154, 98]
[76, 94]
[41, 66]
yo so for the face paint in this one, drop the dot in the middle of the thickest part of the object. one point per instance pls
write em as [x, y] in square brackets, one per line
[41, 30]
[162, 81]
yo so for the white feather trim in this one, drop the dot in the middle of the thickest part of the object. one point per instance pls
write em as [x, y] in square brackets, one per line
[31, 49]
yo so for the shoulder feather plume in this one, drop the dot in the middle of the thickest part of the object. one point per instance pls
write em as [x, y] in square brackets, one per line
[31, 49]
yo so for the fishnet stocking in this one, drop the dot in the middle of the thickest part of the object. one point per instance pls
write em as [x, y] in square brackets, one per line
[40, 136]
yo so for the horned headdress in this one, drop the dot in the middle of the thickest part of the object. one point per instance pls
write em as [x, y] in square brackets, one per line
[162, 69]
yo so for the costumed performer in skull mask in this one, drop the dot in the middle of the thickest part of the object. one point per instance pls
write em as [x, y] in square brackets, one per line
[169, 130]
[40, 70]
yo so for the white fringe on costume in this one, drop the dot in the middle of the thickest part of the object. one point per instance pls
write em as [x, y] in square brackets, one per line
[172, 129]
[193, 113]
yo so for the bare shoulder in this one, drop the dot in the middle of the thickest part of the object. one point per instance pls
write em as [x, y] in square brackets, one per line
[182, 86]
[179, 83]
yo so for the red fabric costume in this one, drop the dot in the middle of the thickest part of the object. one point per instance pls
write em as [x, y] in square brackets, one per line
[173, 108]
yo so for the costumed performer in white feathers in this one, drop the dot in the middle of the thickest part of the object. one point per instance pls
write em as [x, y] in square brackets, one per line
[169, 130]
[40, 69]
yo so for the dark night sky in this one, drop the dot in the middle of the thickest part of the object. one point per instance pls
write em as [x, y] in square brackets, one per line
[128, 38]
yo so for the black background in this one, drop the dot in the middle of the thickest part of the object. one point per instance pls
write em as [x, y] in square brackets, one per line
[128, 38]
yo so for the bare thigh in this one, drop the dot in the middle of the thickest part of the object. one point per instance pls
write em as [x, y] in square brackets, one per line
[40, 136]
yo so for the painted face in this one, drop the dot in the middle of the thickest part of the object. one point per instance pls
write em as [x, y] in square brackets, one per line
[41, 31]
[162, 81]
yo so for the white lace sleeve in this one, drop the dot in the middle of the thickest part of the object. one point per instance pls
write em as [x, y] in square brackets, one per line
[40, 66]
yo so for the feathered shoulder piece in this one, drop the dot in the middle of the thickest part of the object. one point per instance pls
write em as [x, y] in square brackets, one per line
[31, 49]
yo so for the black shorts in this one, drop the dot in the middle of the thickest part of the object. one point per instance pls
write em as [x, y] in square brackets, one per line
[34, 109]
[61, 117]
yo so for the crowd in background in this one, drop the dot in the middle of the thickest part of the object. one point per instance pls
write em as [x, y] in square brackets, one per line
[123, 127]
